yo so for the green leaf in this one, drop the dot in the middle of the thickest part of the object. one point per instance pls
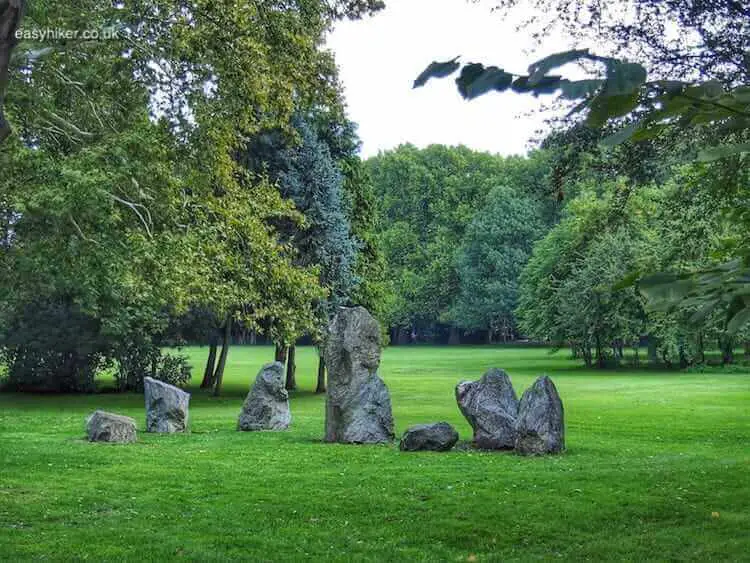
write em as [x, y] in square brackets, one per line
[665, 286]
[706, 90]
[628, 281]
[649, 132]
[620, 136]
[722, 151]
[605, 107]
[738, 320]
[541, 67]
[671, 87]
[575, 89]
[624, 78]
[476, 80]
[545, 85]
[437, 70]
[704, 311]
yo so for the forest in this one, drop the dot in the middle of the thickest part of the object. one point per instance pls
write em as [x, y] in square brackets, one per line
[211, 191]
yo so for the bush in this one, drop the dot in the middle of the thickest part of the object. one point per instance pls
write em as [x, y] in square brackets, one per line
[51, 347]
[137, 362]
[174, 369]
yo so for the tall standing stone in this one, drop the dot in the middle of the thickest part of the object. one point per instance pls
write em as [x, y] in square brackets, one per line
[490, 405]
[267, 404]
[541, 424]
[358, 405]
[166, 407]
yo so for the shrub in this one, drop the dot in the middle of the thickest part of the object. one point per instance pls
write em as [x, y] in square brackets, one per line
[137, 362]
[51, 347]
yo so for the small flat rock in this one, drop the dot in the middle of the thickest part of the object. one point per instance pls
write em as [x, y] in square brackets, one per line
[541, 424]
[104, 426]
[437, 437]
[267, 404]
[490, 406]
[166, 407]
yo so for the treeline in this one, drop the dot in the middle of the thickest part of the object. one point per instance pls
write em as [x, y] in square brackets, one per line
[456, 227]
[551, 247]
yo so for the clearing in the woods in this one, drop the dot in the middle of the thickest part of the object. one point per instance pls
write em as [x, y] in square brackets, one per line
[657, 467]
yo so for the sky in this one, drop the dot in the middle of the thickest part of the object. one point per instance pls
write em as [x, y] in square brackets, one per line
[379, 58]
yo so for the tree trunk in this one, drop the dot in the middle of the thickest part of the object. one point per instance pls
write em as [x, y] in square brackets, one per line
[653, 357]
[489, 336]
[683, 356]
[253, 337]
[219, 374]
[280, 353]
[587, 355]
[321, 388]
[455, 337]
[727, 355]
[747, 349]
[574, 350]
[291, 369]
[701, 349]
[208, 373]
[599, 355]
[11, 13]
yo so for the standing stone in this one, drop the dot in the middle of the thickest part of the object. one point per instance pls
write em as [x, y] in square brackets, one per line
[267, 404]
[437, 437]
[541, 425]
[358, 405]
[166, 407]
[104, 426]
[491, 407]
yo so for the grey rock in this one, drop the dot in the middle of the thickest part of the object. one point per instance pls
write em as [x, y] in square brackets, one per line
[358, 405]
[541, 424]
[166, 407]
[438, 437]
[491, 407]
[267, 404]
[104, 426]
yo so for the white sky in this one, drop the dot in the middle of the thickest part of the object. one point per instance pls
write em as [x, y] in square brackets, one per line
[379, 58]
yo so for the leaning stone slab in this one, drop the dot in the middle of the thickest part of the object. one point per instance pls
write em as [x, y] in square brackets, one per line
[166, 407]
[267, 404]
[358, 405]
[436, 437]
[104, 426]
[541, 425]
[491, 407]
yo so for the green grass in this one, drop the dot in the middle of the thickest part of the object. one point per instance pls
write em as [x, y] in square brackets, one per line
[651, 455]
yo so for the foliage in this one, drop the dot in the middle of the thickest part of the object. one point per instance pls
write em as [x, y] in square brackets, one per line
[52, 346]
[427, 198]
[121, 191]
[495, 248]
[697, 53]
[676, 38]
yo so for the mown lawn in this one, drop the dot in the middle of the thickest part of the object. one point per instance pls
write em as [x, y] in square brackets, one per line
[658, 467]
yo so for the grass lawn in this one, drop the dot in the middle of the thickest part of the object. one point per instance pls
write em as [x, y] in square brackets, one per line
[658, 467]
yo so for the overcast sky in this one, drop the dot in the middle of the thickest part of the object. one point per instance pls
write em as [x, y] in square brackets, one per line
[379, 58]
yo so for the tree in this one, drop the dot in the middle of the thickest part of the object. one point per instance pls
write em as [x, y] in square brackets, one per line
[11, 14]
[308, 176]
[682, 39]
[495, 248]
[132, 216]
[426, 200]
[700, 85]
